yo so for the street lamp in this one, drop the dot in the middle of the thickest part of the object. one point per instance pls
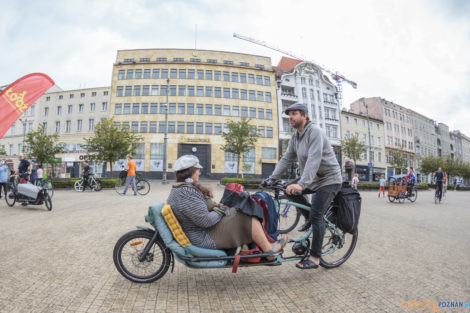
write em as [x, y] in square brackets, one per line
[24, 122]
[165, 139]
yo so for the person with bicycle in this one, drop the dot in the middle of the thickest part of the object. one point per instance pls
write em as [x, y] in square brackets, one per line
[86, 172]
[438, 179]
[3, 177]
[130, 179]
[320, 173]
[410, 180]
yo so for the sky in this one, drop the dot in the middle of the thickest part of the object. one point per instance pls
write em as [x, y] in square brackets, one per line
[415, 53]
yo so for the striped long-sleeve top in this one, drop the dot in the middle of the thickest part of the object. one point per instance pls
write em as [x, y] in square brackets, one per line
[190, 209]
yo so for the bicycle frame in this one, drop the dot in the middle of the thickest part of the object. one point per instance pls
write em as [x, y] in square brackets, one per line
[303, 239]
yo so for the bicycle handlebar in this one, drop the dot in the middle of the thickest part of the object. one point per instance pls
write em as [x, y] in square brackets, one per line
[278, 185]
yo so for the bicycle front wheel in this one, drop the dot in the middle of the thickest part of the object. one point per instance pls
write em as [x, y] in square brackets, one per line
[143, 187]
[119, 185]
[78, 186]
[337, 247]
[48, 185]
[289, 217]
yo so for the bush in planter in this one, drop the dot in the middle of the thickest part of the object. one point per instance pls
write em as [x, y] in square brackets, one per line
[228, 180]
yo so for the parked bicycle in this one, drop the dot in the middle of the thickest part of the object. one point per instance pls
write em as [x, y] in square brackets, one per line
[142, 184]
[438, 195]
[93, 182]
[145, 255]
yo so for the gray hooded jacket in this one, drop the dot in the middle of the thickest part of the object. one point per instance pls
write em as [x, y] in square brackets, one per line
[317, 161]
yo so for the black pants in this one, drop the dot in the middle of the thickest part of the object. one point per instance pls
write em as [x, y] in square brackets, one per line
[439, 189]
[4, 188]
[86, 182]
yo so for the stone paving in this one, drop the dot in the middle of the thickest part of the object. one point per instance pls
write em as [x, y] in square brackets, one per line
[61, 261]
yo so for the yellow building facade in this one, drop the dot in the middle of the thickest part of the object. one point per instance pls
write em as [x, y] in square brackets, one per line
[205, 89]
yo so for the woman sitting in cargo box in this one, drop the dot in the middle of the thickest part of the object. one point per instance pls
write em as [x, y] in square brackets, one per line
[207, 224]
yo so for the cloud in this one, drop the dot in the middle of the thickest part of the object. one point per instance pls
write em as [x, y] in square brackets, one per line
[414, 53]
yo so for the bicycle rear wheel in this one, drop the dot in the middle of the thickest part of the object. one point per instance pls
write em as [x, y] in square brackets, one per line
[289, 217]
[48, 185]
[143, 187]
[337, 247]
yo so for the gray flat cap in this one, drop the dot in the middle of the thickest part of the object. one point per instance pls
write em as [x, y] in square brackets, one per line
[296, 107]
[186, 161]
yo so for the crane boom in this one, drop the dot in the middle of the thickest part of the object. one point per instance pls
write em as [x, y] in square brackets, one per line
[334, 74]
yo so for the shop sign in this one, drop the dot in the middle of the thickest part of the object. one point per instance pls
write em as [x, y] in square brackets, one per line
[194, 140]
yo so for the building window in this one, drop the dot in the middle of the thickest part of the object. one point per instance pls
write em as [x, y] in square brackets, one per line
[57, 127]
[61, 97]
[268, 97]
[181, 90]
[69, 109]
[191, 74]
[135, 108]
[261, 131]
[121, 74]
[199, 128]
[178, 59]
[252, 112]
[228, 62]
[242, 77]
[226, 92]
[154, 91]
[173, 90]
[213, 61]
[153, 108]
[217, 109]
[180, 129]
[226, 76]
[190, 108]
[182, 73]
[216, 75]
[163, 90]
[209, 128]
[130, 74]
[269, 132]
[259, 79]
[161, 127]
[153, 127]
[251, 78]
[155, 73]
[59, 110]
[79, 125]
[118, 108]
[119, 90]
[236, 110]
[138, 74]
[190, 128]
[252, 95]
[260, 96]
[200, 74]
[91, 124]
[145, 108]
[104, 106]
[128, 91]
[217, 92]
[145, 90]
[125, 125]
[267, 81]
[234, 77]
[208, 109]
[92, 107]
[200, 91]
[137, 91]
[269, 114]
[172, 108]
[71, 96]
[135, 127]
[208, 74]
[217, 129]
[304, 92]
[243, 94]
[261, 113]
[181, 108]
[173, 73]
[165, 73]
[268, 153]
[226, 110]
[191, 91]
[244, 112]
[68, 125]
[143, 127]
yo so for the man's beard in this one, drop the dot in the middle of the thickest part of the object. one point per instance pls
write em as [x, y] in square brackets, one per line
[297, 124]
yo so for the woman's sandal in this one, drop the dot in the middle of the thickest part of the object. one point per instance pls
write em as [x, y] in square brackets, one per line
[282, 242]
[306, 264]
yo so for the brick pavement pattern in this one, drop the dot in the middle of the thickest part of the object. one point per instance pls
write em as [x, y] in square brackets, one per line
[61, 261]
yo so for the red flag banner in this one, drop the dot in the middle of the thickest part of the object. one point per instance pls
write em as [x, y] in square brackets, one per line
[16, 98]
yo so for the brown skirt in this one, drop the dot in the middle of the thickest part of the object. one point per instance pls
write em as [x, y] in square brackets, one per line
[232, 231]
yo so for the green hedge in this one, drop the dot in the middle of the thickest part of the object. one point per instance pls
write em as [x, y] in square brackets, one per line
[68, 183]
[248, 183]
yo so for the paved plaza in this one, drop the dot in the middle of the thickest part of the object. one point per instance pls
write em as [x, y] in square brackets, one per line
[61, 261]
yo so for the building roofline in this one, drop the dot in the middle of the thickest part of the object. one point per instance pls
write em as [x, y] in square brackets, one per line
[187, 49]
[360, 115]
[79, 89]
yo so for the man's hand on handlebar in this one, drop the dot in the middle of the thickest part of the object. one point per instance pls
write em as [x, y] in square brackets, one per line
[294, 189]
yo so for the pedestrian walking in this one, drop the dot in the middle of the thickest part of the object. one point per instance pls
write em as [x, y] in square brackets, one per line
[355, 181]
[34, 172]
[40, 173]
[3, 177]
[382, 185]
[130, 179]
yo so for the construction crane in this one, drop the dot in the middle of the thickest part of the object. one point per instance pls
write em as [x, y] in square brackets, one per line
[335, 75]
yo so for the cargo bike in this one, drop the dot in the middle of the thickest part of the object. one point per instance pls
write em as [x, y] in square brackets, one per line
[32, 194]
[398, 191]
[146, 254]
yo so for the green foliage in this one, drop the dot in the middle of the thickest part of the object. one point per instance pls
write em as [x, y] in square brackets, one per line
[2, 152]
[43, 147]
[453, 167]
[228, 180]
[68, 183]
[240, 137]
[109, 143]
[246, 183]
[353, 148]
[430, 164]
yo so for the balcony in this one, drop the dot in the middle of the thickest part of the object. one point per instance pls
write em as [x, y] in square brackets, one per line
[289, 96]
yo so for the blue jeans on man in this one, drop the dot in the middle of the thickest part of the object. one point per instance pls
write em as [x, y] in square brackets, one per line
[130, 180]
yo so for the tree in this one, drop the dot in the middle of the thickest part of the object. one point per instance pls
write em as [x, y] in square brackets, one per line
[353, 149]
[240, 137]
[2, 152]
[109, 143]
[43, 147]
[430, 164]
[398, 162]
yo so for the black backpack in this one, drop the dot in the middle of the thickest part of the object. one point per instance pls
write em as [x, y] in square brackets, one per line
[348, 209]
